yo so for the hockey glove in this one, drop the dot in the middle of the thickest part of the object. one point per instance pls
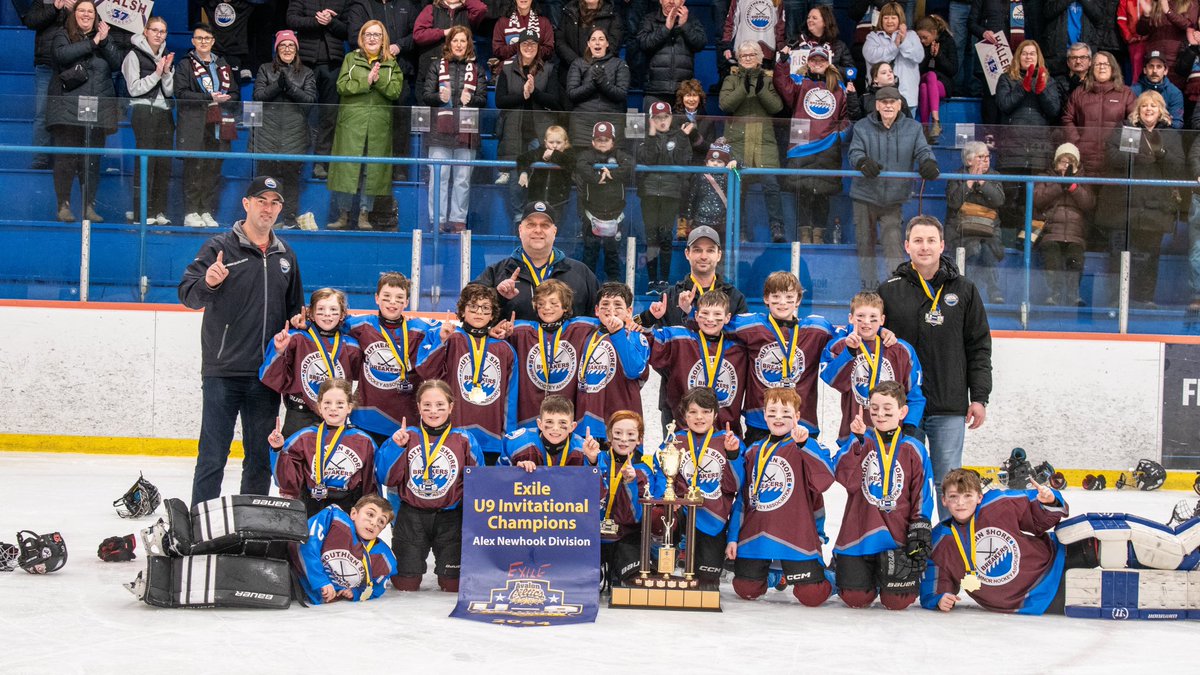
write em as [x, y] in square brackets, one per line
[896, 566]
[117, 549]
[869, 167]
[929, 170]
[920, 539]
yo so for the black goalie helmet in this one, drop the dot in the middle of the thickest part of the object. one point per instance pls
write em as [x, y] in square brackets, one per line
[9, 555]
[140, 500]
[41, 553]
[1149, 475]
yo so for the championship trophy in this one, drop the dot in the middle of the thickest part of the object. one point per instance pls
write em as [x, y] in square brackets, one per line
[658, 586]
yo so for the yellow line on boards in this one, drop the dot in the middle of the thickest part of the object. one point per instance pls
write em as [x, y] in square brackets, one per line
[105, 445]
[1176, 480]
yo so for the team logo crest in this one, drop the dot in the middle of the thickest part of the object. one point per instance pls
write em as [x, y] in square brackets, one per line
[344, 569]
[776, 485]
[712, 465]
[284, 265]
[768, 367]
[314, 372]
[601, 368]
[528, 598]
[224, 15]
[872, 484]
[820, 104]
[726, 386]
[860, 377]
[562, 368]
[341, 465]
[997, 556]
[489, 379]
[760, 15]
[382, 371]
[951, 299]
[442, 474]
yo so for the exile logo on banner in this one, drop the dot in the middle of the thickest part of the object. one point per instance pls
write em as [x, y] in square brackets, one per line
[531, 546]
[1181, 407]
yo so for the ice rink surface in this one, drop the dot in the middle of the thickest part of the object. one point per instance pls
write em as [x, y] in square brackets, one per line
[80, 619]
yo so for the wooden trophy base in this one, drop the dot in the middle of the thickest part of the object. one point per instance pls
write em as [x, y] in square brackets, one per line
[655, 592]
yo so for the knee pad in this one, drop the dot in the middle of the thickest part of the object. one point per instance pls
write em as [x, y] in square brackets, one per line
[895, 602]
[749, 589]
[857, 599]
[448, 584]
[812, 595]
[406, 583]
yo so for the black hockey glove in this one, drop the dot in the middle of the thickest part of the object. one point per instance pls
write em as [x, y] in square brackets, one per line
[117, 549]
[896, 566]
[869, 167]
[929, 170]
[920, 539]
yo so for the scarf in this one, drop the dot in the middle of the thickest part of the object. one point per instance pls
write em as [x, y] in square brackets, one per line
[514, 26]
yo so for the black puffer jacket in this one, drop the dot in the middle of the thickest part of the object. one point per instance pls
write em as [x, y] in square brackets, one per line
[571, 36]
[671, 52]
[287, 94]
[525, 119]
[1026, 142]
[1149, 209]
[43, 19]
[319, 44]
[598, 90]
[1098, 30]
[669, 148]
[100, 61]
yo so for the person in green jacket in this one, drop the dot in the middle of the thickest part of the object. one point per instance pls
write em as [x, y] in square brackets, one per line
[370, 80]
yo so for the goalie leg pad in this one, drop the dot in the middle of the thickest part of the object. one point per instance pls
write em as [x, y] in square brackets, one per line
[217, 581]
[1132, 594]
[224, 524]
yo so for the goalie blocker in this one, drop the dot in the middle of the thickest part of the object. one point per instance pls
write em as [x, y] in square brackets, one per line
[250, 525]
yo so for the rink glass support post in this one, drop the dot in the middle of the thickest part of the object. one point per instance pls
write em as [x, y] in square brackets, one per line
[733, 224]
[85, 258]
[960, 259]
[414, 274]
[1123, 298]
[1028, 252]
[796, 259]
[630, 261]
[464, 257]
[143, 171]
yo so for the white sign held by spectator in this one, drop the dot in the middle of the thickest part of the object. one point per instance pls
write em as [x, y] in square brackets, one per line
[994, 59]
[128, 14]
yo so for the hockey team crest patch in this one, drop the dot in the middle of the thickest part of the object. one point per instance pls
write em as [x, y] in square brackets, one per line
[601, 368]
[382, 371]
[562, 368]
[224, 15]
[442, 473]
[314, 372]
[951, 299]
[760, 15]
[997, 556]
[775, 487]
[712, 465]
[768, 367]
[347, 571]
[284, 265]
[860, 377]
[489, 379]
[820, 104]
[872, 486]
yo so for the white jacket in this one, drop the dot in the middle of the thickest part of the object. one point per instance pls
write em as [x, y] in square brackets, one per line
[905, 59]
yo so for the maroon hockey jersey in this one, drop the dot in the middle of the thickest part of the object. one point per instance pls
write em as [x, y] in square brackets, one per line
[675, 352]
[626, 510]
[534, 383]
[765, 356]
[387, 380]
[876, 520]
[350, 464]
[853, 376]
[299, 369]
[435, 482]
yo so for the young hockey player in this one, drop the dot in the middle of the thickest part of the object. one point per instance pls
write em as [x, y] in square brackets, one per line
[706, 357]
[711, 465]
[389, 343]
[343, 558]
[884, 538]
[782, 509]
[330, 462]
[553, 443]
[783, 351]
[854, 364]
[422, 469]
[480, 369]
[602, 199]
[624, 479]
[549, 350]
[612, 361]
[299, 360]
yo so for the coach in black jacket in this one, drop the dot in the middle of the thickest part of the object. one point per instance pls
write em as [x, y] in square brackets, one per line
[940, 313]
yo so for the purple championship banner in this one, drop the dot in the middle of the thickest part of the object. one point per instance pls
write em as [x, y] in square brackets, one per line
[531, 546]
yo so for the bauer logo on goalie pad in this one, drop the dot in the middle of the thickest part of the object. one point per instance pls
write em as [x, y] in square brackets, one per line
[997, 556]
[768, 367]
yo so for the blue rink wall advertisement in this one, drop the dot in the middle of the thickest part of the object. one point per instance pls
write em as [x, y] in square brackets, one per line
[531, 546]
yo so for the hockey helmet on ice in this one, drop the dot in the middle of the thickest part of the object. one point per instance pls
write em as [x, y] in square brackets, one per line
[140, 500]
[41, 553]
[1149, 475]
[9, 555]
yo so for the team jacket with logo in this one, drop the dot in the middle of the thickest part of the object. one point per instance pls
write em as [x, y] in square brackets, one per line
[386, 396]
[487, 421]
[298, 370]
[531, 378]
[719, 482]
[783, 515]
[351, 465]
[764, 358]
[402, 469]
[627, 506]
[676, 354]
[526, 445]
[335, 555]
[849, 372]
[612, 377]
[874, 521]
[1018, 561]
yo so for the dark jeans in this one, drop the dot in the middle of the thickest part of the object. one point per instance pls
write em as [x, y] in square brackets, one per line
[153, 129]
[225, 398]
[591, 252]
[1064, 267]
[327, 97]
[84, 167]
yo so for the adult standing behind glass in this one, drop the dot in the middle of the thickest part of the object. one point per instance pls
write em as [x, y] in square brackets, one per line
[527, 91]
[973, 218]
[321, 29]
[149, 73]
[44, 18]
[369, 81]
[597, 86]
[670, 39]
[1029, 103]
[84, 60]
[287, 88]
[205, 89]
[580, 18]
[455, 84]
[1100, 104]
[749, 94]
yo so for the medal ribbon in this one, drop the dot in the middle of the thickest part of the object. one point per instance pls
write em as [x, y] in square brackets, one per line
[478, 349]
[789, 351]
[700, 289]
[874, 362]
[613, 483]
[547, 359]
[328, 357]
[764, 455]
[593, 342]
[562, 461]
[887, 458]
[431, 455]
[694, 455]
[366, 559]
[324, 453]
[401, 361]
[968, 560]
[533, 271]
[931, 296]
[711, 363]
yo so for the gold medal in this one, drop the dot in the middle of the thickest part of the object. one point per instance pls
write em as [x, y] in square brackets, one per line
[478, 354]
[971, 583]
[608, 527]
[476, 394]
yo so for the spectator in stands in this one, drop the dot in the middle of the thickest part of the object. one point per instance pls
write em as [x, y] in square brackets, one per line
[1066, 23]
[707, 204]
[1154, 78]
[1079, 64]
[553, 185]
[893, 42]
[231, 30]
[1165, 24]
[1146, 213]
[429, 32]
[536, 260]
[602, 199]
[749, 94]
[597, 86]
[881, 76]
[580, 18]
[989, 19]
[884, 141]
[287, 89]
[958, 12]
[1188, 67]
[821, 28]
[456, 86]
[819, 103]
[368, 83]
[1128, 14]
[84, 61]
[659, 193]
[760, 21]
[1194, 229]
[522, 18]
[1066, 209]
[1101, 104]
[206, 88]
[634, 13]
[1029, 103]
[973, 217]
[701, 128]
[321, 30]
[938, 69]
[670, 39]
[867, 14]
[528, 93]
[149, 73]
[45, 19]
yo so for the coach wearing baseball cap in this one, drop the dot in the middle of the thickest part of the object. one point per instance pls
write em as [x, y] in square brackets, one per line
[247, 281]
[703, 254]
[534, 261]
